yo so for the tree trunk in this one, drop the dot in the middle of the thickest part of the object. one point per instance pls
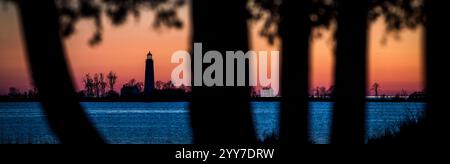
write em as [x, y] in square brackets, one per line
[221, 114]
[350, 73]
[436, 55]
[295, 30]
[51, 75]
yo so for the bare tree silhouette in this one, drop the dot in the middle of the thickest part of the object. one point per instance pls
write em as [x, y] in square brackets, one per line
[88, 85]
[112, 79]
[96, 83]
[102, 84]
[375, 88]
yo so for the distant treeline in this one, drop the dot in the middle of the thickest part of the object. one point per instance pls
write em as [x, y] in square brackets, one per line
[164, 96]
[95, 87]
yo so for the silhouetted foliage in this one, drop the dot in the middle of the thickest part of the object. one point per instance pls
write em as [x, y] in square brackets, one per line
[417, 96]
[159, 85]
[14, 92]
[321, 14]
[132, 89]
[397, 14]
[410, 131]
[322, 92]
[72, 11]
[168, 85]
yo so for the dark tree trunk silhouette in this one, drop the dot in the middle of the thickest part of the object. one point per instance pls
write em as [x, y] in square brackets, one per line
[221, 114]
[436, 55]
[295, 30]
[51, 75]
[350, 72]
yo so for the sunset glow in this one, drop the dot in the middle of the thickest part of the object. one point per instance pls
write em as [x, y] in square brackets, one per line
[395, 65]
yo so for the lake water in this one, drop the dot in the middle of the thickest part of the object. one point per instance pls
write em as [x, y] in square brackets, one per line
[168, 122]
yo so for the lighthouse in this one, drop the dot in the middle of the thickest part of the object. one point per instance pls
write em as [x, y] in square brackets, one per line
[149, 75]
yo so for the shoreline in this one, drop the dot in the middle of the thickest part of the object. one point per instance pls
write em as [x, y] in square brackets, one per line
[269, 99]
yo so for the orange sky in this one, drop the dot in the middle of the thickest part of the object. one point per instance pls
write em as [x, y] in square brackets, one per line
[394, 65]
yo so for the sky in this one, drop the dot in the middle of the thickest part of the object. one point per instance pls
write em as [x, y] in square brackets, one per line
[395, 64]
